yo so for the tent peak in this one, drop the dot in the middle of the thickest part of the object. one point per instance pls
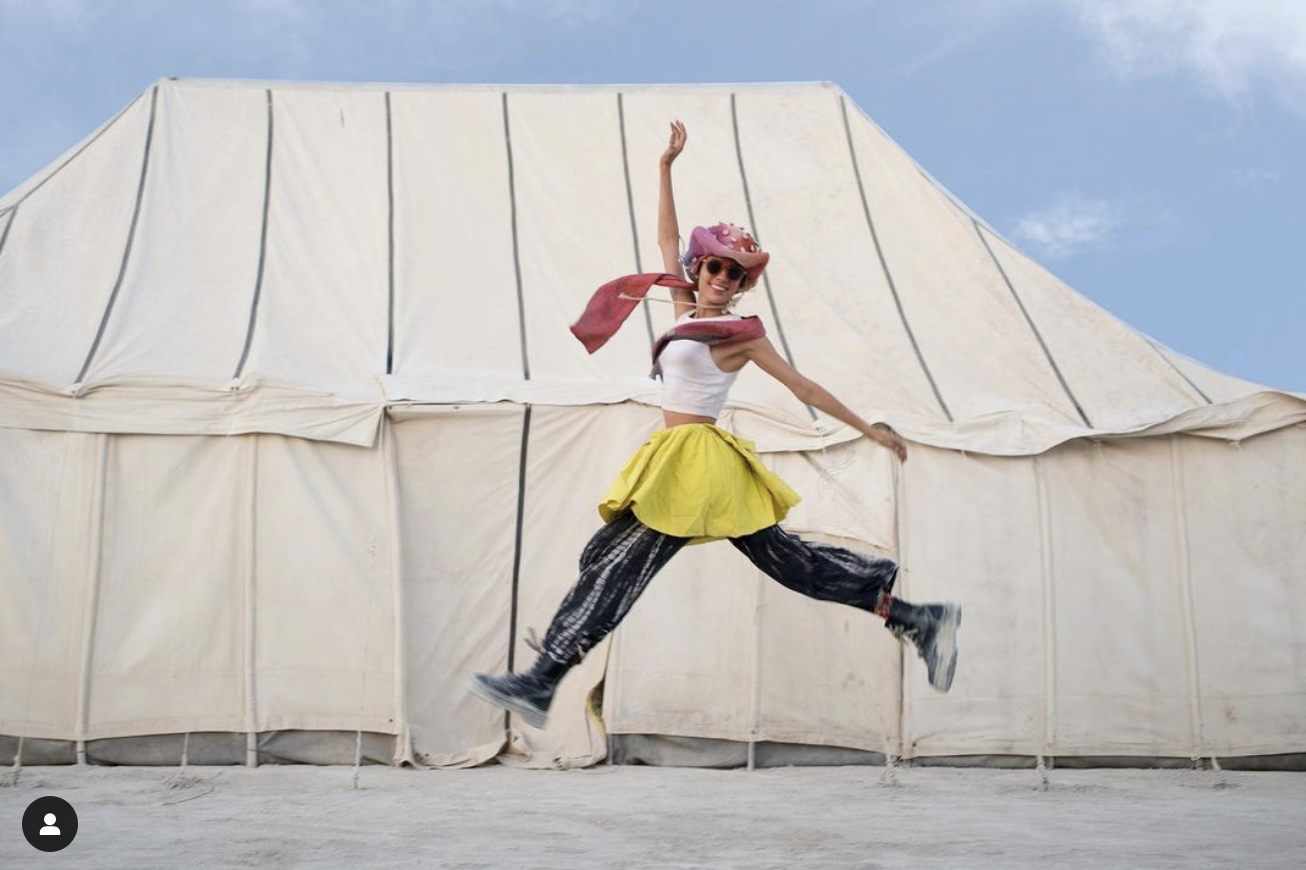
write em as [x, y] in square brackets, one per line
[286, 84]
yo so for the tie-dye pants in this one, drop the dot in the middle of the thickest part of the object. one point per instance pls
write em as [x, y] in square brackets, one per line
[620, 560]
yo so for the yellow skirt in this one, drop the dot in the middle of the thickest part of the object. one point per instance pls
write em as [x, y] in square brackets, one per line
[697, 481]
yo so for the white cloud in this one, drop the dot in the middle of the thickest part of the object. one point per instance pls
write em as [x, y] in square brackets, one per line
[1072, 224]
[1228, 47]
[1076, 223]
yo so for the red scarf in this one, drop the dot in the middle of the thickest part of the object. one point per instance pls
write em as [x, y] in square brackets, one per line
[606, 312]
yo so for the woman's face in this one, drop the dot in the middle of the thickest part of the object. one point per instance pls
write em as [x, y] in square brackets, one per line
[719, 279]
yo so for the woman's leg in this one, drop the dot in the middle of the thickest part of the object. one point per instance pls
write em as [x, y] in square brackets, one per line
[615, 568]
[820, 570]
[835, 574]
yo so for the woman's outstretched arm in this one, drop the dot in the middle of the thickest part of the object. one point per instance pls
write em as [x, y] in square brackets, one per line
[668, 226]
[809, 392]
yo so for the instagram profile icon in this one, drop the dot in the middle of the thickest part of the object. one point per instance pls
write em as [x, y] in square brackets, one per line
[49, 823]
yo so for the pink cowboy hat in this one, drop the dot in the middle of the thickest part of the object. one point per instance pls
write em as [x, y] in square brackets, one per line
[728, 242]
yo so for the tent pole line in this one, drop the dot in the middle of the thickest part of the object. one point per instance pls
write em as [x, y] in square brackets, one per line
[891, 758]
[755, 690]
[1049, 611]
[1197, 727]
[93, 596]
[403, 751]
[251, 544]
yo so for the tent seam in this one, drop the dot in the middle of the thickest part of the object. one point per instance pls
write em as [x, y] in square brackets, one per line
[131, 236]
[262, 248]
[12, 211]
[390, 201]
[1178, 370]
[884, 265]
[752, 221]
[630, 205]
[249, 623]
[1197, 724]
[517, 543]
[99, 496]
[516, 253]
[1049, 609]
[1033, 327]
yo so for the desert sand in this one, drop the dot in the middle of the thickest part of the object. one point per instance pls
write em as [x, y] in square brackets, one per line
[637, 817]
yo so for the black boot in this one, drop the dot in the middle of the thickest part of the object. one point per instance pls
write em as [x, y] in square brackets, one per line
[527, 694]
[932, 629]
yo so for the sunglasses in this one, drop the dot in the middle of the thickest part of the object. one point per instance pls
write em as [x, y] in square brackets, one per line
[714, 267]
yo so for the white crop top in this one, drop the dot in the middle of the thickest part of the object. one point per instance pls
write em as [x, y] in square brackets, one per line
[691, 381]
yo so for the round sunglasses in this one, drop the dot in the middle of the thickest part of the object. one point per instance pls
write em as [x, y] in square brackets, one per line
[714, 267]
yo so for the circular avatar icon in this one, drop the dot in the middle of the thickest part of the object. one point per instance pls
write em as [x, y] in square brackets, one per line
[50, 823]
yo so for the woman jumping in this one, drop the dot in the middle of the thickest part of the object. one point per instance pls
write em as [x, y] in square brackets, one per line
[693, 482]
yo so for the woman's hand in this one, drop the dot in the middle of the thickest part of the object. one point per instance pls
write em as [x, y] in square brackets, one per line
[883, 434]
[676, 145]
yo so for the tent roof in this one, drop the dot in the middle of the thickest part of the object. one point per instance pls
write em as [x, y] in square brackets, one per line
[249, 256]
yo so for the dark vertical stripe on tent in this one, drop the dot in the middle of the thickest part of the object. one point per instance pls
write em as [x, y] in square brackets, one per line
[131, 235]
[1179, 371]
[752, 223]
[516, 256]
[1041, 343]
[4, 237]
[262, 248]
[526, 419]
[630, 205]
[390, 199]
[884, 265]
[516, 550]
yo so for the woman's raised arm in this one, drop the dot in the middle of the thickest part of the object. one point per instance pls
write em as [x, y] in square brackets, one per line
[668, 225]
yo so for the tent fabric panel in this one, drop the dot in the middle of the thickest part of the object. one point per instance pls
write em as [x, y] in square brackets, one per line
[45, 551]
[572, 456]
[1218, 386]
[324, 642]
[847, 491]
[169, 623]
[573, 231]
[825, 275]
[945, 279]
[45, 335]
[829, 674]
[322, 320]
[1122, 685]
[1115, 372]
[1246, 510]
[184, 305]
[458, 488]
[453, 245]
[685, 660]
[6, 220]
[970, 534]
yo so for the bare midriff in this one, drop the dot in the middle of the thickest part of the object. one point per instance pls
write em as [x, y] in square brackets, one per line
[677, 418]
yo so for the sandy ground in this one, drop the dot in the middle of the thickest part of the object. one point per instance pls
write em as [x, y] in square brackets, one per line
[629, 817]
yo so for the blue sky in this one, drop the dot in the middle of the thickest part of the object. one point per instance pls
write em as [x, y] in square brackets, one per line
[1150, 152]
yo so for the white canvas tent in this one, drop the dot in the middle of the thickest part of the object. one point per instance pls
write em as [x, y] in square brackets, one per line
[294, 438]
